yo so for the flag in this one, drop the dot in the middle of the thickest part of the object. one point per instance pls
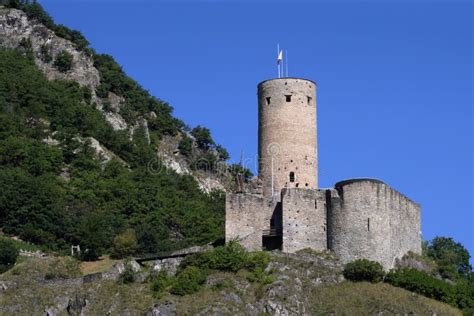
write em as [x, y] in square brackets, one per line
[280, 57]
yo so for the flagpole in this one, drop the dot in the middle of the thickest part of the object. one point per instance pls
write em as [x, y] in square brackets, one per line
[278, 62]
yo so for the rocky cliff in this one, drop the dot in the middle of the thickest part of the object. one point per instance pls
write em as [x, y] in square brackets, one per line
[19, 31]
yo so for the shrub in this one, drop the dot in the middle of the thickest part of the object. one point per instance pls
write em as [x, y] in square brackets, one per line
[185, 146]
[46, 53]
[422, 283]
[127, 276]
[364, 270]
[63, 61]
[160, 282]
[8, 254]
[189, 281]
[231, 257]
[125, 244]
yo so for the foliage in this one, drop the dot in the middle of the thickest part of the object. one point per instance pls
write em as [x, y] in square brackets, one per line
[125, 244]
[451, 257]
[422, 283]
[63, 61]
[203, 138]
[364, 270]
[128, 275]
[236, 169]
[45, 51]
[189, 281]
[222, 152]
[8, 254]
[185, 146]
[161, 282]
[460, 295]
[101, 199]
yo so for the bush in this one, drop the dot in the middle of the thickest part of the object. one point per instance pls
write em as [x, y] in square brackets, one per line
[125, 244]
[63, 61]
[127, 276]
[364, 270]
[422, 283]
[46, 53]
[231, 257]
[189, 281]
[185, 146]
[161, 282]
[8, 254]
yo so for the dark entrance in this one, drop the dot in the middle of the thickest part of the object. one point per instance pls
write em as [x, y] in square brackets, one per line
[272, 238]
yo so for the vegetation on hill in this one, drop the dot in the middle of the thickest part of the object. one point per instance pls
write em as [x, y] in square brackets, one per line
[94, 202]
[61, 195]
[455, 287]
[308, 282]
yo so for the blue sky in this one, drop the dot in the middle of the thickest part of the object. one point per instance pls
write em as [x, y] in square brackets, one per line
[394, 82]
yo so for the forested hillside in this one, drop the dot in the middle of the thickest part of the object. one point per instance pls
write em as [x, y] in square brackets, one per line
[57, 188]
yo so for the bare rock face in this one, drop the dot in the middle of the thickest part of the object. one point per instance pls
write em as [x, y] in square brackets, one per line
[15, 27]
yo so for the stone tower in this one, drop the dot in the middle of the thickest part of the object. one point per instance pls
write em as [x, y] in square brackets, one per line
[287, 139]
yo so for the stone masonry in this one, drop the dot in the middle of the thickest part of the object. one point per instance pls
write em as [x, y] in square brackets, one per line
[359, 218]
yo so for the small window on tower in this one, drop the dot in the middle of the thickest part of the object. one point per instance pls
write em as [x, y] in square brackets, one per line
[309, 100]
[268, 100]
[292, 176]
[288, 98]
[368, 224]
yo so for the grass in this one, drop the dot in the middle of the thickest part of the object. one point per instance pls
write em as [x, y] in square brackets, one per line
[363, 298]
[22, 245]
[103, 264]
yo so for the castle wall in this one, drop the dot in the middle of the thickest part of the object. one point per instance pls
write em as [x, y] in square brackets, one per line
[244, 214]
[368, 219]
[304, 219]
[287, 139]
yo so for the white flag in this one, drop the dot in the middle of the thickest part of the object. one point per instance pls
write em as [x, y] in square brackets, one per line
[280, 57]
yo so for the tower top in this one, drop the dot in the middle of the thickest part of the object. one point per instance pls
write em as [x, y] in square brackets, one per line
[287, 79]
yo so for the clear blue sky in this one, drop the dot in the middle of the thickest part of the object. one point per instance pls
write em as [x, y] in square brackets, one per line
[394, 82]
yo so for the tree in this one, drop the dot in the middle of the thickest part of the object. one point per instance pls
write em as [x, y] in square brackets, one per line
[203, 137]
[452, 258]
[125, 244]
[223, 153]
[8, 254]
[63, 61]
[185, 146]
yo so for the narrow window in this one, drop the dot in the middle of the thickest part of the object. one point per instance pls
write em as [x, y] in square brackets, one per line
[288, 98]
[297, 185]
[315, 203]
[268, 100]
[305, 184]
[368, 224]
[292, 176]
[309, 100]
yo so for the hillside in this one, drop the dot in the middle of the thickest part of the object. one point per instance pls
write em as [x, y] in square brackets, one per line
[86, 152]
[306, 283]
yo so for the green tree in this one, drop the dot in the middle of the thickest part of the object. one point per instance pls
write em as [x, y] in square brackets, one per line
[8, 254]
[451, 257]
[63, 61]
[203, 137]
[125, 244]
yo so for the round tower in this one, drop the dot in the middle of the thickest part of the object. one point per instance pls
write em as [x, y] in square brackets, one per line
[287, 135]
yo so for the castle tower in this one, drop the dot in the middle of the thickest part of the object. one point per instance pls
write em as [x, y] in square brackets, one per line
[287, 139]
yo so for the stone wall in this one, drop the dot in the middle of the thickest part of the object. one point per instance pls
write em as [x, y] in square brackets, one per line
[244, 215]
[304, 219]
[368, 219]
[287, 141]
